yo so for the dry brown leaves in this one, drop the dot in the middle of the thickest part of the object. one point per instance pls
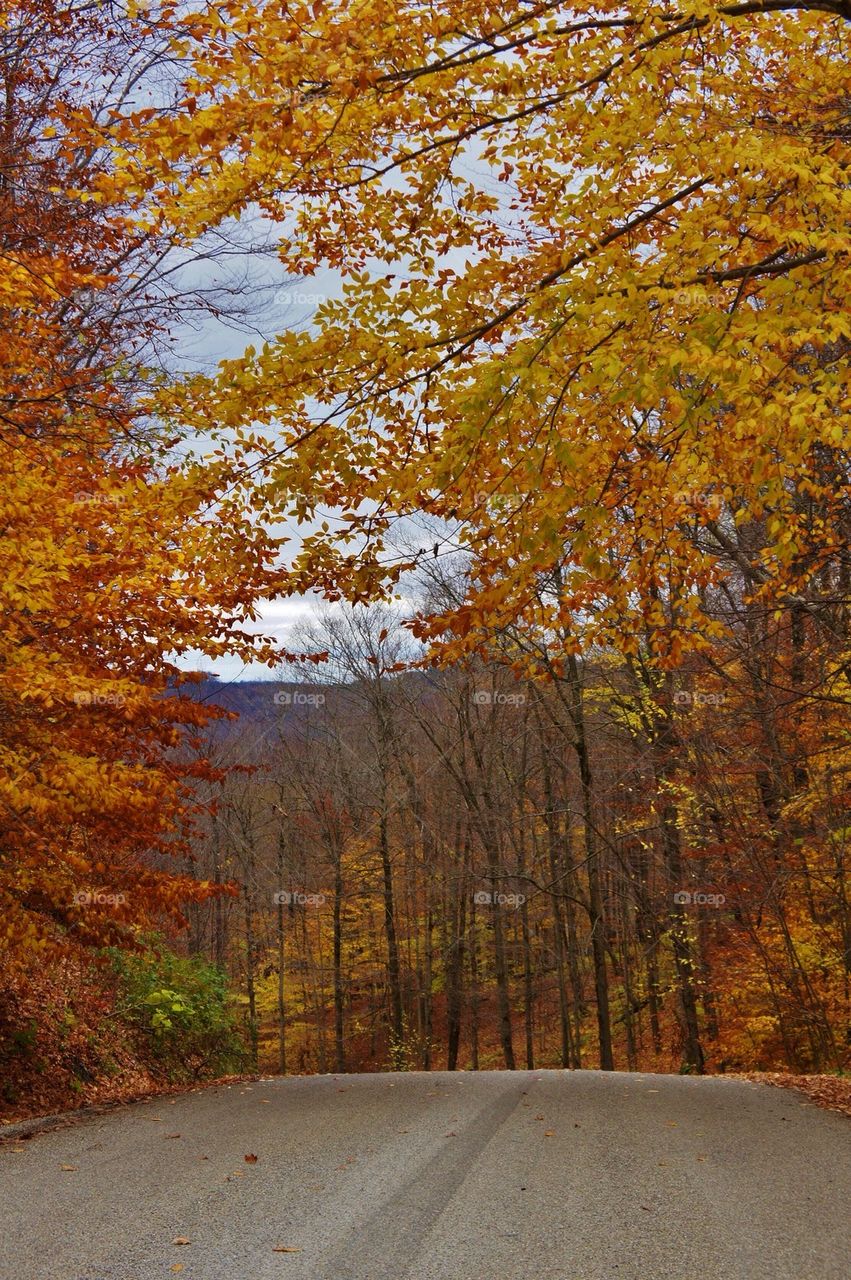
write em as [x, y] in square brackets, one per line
[831, 1092]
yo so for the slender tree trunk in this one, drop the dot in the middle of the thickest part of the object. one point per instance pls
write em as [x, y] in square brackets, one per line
[592, 869]
[453, 951]
[425, 994]
[218, 903]
[397, 1021]
[528, 987]
[253, 1030]
[282, 1018]
[680, 927]
[558, 888]
[474, 990]
[500, 963]
[337, 944]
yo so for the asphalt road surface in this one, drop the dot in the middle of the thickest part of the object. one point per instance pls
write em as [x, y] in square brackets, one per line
[542, 1175]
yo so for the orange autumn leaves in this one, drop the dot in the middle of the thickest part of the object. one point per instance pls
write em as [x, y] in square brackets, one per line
[118, 555]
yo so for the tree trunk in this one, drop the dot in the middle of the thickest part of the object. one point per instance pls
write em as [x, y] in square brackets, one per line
[592, 869]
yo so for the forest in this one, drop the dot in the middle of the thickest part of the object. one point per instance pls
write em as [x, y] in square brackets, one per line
[458, 868]
[548, 762]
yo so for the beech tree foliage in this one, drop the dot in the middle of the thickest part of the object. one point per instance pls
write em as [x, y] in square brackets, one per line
[595, 271]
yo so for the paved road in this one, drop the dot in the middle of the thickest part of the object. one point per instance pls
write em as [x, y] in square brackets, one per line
[542, 1175]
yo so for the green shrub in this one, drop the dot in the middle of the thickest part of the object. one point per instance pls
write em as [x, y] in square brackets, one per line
[181, 1011]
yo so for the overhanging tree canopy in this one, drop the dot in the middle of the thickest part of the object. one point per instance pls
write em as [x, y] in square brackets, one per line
[596, 272]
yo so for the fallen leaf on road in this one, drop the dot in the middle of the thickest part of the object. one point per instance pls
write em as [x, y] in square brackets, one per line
[251, 1159]
[178, 1266]
[549, 1133]
[181, 1240]
[172, 1135]
[285, 1248]
[69, 1168]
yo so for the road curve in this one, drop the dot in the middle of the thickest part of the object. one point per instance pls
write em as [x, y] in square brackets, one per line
[541, 1175]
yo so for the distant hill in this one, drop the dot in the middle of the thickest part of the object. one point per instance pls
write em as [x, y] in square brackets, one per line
[285, 702]
[251, 699]
[292, 706]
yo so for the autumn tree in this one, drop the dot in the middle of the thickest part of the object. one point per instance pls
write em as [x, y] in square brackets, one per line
[121, 551]
[612, 271]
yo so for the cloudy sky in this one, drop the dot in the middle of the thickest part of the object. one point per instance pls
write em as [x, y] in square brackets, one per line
[272, 302]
